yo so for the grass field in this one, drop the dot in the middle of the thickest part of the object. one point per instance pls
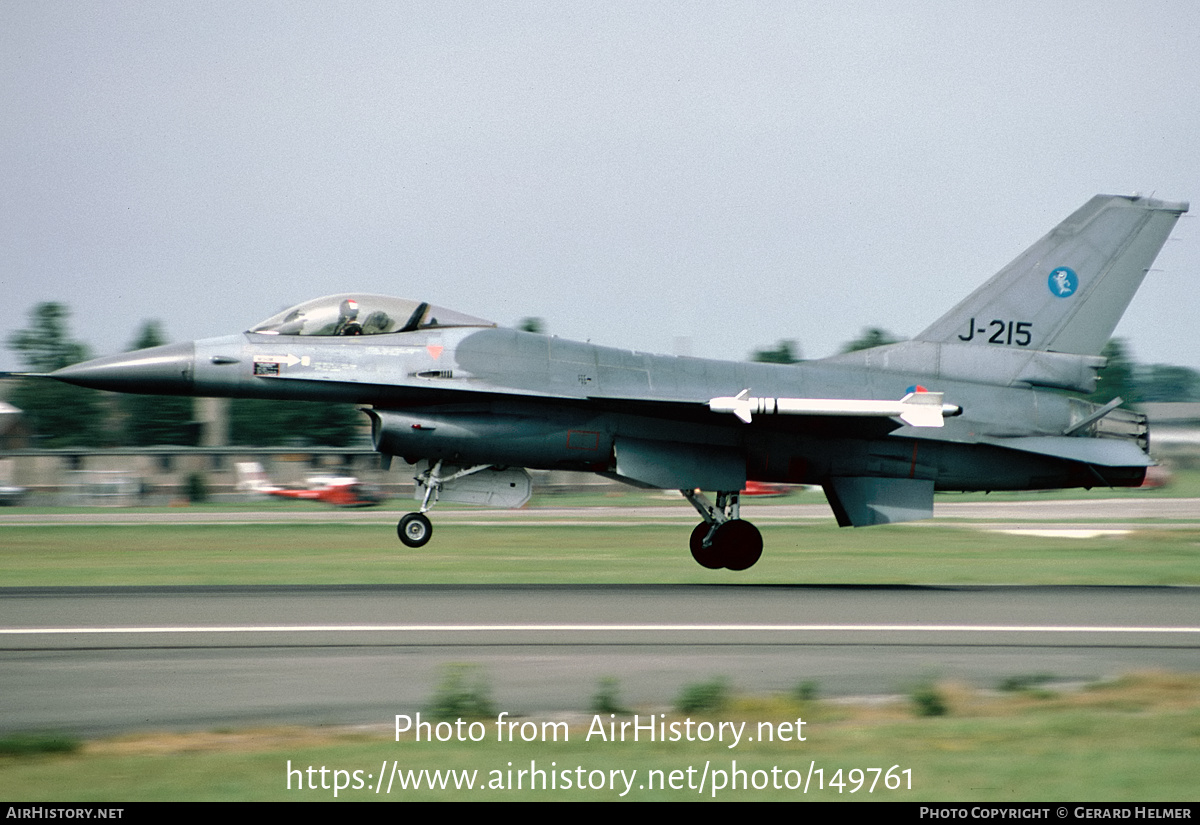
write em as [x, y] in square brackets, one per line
[189, 554]
[533, 550]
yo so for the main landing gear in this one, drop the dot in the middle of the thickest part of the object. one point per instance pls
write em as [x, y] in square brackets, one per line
[723, 539]
[415, 529]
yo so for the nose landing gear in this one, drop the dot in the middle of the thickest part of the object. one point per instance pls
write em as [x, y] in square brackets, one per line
[415, 529]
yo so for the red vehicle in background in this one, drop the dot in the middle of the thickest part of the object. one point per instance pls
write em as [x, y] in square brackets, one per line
[764, 489]
[340, 491]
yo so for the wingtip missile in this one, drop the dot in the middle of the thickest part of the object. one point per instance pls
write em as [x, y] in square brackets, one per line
[916, 409]
[925, 409]
[740, 405]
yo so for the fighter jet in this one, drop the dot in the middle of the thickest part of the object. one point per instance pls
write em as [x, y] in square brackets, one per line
[978, 401]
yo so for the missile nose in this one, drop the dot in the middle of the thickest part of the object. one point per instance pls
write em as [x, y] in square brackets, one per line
[165, 370]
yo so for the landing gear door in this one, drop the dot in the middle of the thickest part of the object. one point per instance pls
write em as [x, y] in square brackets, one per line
[671, 465]
[510, 488]
[861, 502]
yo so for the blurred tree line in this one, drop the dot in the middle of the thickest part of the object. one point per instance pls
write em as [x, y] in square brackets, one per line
[61, 415]
[788, 352]
[1142, 383]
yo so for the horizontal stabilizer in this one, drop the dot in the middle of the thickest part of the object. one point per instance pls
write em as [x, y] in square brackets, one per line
[1102, 452]
[865, 501]
[917, 409]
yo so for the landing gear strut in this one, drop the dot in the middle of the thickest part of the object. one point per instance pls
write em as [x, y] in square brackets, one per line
[723, 539]
[415, 529]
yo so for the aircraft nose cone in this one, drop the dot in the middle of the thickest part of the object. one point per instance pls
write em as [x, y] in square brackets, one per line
[165, 370]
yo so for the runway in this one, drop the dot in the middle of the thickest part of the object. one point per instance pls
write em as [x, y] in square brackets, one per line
[1146, 513]
[104, 660]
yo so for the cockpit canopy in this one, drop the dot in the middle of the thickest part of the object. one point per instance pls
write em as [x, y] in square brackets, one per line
[358, 314]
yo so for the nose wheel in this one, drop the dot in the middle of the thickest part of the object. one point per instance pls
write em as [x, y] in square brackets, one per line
[414, 530]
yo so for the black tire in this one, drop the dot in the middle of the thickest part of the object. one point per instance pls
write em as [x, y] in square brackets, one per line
[709, 557]
[414, 530]
[739, 544]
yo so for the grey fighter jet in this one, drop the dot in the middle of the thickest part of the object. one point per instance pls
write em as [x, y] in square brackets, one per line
[975, 402]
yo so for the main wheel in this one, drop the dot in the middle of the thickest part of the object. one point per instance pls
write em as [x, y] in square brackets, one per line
[739, 544]
[414, 530]
[710, 556]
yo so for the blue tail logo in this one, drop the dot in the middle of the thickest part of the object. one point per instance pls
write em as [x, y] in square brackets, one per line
[1063, 282]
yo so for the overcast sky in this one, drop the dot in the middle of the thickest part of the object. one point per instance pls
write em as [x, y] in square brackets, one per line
[699, 177]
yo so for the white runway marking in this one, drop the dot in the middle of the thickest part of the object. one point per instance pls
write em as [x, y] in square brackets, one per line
[1063, 533]
[599, 628]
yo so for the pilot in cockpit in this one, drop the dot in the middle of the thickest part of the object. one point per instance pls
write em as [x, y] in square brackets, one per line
[347, 323]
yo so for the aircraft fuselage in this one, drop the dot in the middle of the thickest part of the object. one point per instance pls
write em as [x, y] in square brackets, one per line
[506, 397]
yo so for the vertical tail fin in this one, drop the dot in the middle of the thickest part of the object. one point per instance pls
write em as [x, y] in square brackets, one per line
[1067, 292]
